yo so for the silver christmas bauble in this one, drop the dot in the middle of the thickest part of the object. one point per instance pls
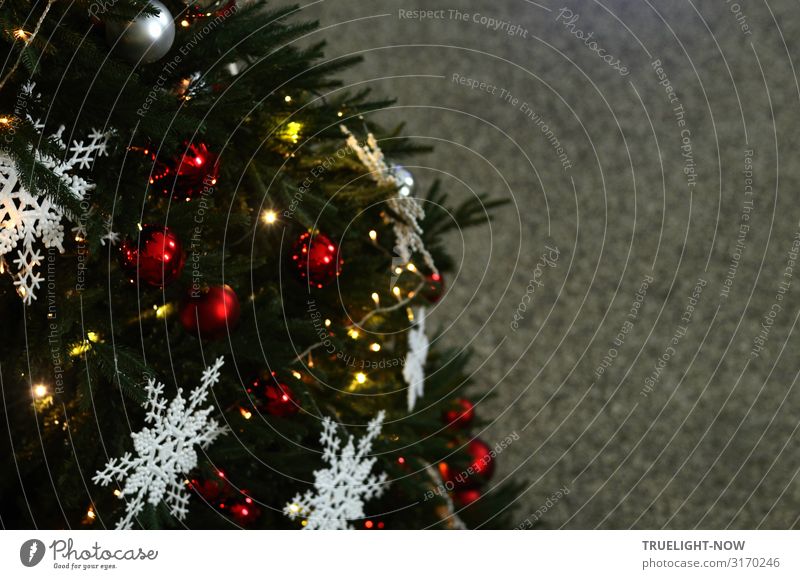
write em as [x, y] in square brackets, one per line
[146, 38]
[404, 178]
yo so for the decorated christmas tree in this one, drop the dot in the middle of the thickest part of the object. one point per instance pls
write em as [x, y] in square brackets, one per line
[216, 277]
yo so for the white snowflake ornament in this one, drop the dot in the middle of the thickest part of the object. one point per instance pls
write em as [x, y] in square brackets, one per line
[341, 489]
[165, 450]
[414, 367]
[26, 217]
[407, 231]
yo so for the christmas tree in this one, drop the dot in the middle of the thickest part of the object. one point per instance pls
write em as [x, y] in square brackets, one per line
[216, 280]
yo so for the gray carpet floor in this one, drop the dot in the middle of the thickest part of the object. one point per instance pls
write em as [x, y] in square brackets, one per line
[648, 361]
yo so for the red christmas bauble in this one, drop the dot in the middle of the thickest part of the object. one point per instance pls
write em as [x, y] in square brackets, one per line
[244, 512]
[188, 174]
[273, 397]
[156, 258]
[201, 9]
[210, 489]
[464, 497]
[211, 314]
[460, 415]
[316, 258]
[478, 471]
[434, 287]
[481, 460]
[373, 525]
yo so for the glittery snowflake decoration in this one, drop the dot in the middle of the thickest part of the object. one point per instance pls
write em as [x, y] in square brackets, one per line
[341, 489]
[414, 368]
[407, 209]
[165, 450]
[27, 217]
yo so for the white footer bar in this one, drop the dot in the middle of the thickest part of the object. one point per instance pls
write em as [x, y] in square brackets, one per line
[400, 554]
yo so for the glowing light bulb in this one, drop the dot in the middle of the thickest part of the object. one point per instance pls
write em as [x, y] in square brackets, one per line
[396, 291]
[376, 298]
[361, 377]
[164, 311]
[375, 347]
[269, 217]
[353, 333]
[287, 98]
[40, 390]
[373, 235]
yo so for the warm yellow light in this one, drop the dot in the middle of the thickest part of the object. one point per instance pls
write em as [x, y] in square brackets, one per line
[396, 291]
[340, 114]
[410, 314]
[376, 347]
[185, 23]
[90, 513]
[287, 98]
[376, 298]
[327, 323]
[4, 120]
[93, 336]
[21, 34]
[82, 348]
[117, 492]
[164, 310]
[353, 333]
[411, 267]
[294, 508]
[245, 413]
[398, 270]
[40, 390]
[269, 217]
[291, 132]
[296, 374]
[361, 377]
[373, 235]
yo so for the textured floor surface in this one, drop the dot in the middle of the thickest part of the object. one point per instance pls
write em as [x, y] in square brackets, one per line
[652, 372]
